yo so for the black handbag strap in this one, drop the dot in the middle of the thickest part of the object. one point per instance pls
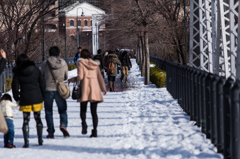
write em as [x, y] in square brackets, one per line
[52, 72]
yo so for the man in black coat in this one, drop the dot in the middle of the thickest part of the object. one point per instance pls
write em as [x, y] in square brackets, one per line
[100, 58]
[126, 65]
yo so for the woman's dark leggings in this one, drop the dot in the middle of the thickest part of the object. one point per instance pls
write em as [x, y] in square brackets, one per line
[83, 110]
[37, 117]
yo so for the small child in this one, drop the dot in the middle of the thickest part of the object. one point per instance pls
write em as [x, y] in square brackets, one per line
[6, 105]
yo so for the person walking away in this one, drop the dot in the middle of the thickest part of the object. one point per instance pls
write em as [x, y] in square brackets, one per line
[3, 60]
[30, 97]
[6, 105]
[112, 58]
[100, 58]
[77, 56]
[60, 69]
[92, 85]
[126, 65]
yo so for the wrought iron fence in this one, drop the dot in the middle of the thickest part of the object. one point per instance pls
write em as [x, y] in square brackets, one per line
[210, 100]
[7, 73]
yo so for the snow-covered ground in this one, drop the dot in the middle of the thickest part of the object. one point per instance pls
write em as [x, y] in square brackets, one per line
[141, 123]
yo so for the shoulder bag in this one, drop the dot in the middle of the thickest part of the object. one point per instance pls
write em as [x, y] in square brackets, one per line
[77, 91]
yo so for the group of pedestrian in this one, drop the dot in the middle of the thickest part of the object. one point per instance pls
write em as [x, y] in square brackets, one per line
[33, 88]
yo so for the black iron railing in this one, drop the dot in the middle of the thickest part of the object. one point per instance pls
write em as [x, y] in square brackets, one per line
[210, 100]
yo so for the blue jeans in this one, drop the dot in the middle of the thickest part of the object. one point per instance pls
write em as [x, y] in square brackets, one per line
[9, 136]
[62, 110]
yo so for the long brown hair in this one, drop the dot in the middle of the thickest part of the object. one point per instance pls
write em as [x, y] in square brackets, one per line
[86, 54]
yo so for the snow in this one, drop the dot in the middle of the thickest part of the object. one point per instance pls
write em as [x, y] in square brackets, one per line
[152, 65]
[141, 123]
[87, 8]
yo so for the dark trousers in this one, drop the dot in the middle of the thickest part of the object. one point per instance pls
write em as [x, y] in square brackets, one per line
[83, 110]
[9, 136]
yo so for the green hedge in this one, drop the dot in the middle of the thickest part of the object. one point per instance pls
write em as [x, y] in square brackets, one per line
[157, 76]
[71, 67]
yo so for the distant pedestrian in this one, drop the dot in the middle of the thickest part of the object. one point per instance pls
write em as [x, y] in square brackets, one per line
[28, 89]
[112, 58]
[92, 85]
[100, 58]
[3, 60]
[126, 65]
[60, 69]
[6, 105]
[77, 56]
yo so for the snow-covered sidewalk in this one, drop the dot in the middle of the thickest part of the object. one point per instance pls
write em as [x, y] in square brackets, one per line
[142, 123]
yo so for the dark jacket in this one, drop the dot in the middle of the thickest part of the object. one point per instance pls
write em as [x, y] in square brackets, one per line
[100, 58]
[3, 62]
[28, 78]
[116, 62]
[77, 56]
[125, 60]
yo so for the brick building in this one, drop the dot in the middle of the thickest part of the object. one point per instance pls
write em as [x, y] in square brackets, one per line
[81, 12]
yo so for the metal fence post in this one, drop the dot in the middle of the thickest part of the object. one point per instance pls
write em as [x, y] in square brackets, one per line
[226, 112]
[235, 121]
[220, 114]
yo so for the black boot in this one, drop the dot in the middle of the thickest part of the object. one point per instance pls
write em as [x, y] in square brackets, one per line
[94, 133]
[110, 86]
[84, 128]
[39, 134]
[25, 130]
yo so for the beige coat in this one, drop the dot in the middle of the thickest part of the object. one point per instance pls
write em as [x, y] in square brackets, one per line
[60, 69]
[92, 82]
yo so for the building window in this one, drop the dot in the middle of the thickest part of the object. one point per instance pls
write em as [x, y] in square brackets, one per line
[79, 22]
[71, 23]
[85, 22]
[91, 22]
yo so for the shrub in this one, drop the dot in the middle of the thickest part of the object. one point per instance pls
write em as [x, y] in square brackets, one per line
[8, 84]
[158, 77]
[71, 67]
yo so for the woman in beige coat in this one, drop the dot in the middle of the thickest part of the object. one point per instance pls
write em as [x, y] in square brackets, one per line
[92, 84]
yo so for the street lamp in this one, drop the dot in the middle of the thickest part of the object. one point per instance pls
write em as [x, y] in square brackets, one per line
[82, 15]
[65, 40]
[88, 40]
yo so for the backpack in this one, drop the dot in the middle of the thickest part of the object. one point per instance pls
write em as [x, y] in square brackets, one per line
[111, 67]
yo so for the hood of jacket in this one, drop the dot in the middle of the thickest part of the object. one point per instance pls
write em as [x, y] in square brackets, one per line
[112, 56]
[89, 63]
[56, 62]
[26, 68]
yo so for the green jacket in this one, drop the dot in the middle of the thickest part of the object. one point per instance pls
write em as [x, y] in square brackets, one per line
[116, 62]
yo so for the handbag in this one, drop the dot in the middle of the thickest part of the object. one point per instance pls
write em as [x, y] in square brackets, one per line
[62, 89]
[3, 124]
[77, 91]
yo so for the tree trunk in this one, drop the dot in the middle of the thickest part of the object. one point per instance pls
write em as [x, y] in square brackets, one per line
[147, 71]
[140, 54]
[143, 55]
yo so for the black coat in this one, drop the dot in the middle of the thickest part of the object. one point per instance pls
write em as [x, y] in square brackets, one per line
[100, 58]
[125, 60]
[28, 78]
[3, 62]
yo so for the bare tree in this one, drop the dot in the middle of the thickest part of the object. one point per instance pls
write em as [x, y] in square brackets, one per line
[21, 24]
